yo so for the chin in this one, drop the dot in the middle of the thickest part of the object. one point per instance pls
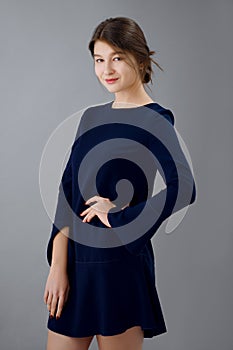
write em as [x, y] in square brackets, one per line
[113, 90]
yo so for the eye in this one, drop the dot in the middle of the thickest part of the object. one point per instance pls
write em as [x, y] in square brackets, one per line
[99, 59]
[117, 58]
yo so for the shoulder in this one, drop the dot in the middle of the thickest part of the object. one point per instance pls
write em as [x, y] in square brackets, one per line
[165, 112]
[90, 112]
[96, 108]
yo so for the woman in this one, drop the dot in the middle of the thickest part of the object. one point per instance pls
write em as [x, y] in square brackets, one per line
[109, 290]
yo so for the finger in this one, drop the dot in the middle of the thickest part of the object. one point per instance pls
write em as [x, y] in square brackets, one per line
[53, 305]
[60, 305]
[86, 211]
[46, 294]
[125, 206]
[89, 216]
[49, 301]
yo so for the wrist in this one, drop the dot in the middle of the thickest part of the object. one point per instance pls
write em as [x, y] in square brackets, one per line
[58, 265]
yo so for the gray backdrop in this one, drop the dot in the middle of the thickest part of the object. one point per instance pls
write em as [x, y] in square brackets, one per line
[47, 75]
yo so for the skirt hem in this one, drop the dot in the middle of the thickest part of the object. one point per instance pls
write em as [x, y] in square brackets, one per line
[149, 332]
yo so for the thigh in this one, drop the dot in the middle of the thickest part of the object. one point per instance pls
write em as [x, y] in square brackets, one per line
[58, 341]
[131, 339]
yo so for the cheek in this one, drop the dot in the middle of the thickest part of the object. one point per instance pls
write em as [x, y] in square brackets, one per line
[98, 70]
[127, 72]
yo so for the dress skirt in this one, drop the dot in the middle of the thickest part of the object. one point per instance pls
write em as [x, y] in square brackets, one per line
[108, 297]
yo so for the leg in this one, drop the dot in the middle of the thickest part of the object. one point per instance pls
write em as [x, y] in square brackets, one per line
[58, 341]
[131, 339]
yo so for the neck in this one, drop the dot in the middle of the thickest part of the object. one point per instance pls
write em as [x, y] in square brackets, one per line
[136, 96]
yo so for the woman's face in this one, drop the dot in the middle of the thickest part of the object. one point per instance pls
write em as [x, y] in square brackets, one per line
[111, 63]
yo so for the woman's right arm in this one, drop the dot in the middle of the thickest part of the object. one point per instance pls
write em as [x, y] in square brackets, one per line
[60, 249]
[57, 286]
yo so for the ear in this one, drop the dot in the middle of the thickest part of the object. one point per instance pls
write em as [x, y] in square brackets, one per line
[141, 66]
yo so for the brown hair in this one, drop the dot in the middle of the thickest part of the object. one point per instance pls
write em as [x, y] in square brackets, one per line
[125, 33]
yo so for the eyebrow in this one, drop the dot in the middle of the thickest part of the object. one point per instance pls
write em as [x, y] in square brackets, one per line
[112, 53]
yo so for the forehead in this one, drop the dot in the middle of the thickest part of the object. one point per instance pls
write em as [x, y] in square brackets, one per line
[102, 48]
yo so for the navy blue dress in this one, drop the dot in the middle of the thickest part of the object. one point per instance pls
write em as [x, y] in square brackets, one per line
[112, 270]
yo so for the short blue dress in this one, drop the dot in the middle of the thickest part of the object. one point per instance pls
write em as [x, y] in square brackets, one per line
[111, 270]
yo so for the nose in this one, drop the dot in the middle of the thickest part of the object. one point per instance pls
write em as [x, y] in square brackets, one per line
[108, 69]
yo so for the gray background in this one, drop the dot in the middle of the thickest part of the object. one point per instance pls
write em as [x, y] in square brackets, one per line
[46, 74]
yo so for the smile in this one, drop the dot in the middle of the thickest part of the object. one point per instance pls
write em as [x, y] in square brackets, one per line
[110, 81]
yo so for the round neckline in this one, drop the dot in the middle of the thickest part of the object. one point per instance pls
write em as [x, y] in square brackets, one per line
[130, 108]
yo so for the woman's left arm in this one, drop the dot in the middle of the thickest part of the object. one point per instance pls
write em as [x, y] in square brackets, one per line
[180, 191]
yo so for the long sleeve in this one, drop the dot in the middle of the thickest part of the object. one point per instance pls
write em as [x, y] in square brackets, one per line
[180, 188]
[64, 212]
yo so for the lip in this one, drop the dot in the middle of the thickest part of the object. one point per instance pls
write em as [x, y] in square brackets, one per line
[110, 81]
